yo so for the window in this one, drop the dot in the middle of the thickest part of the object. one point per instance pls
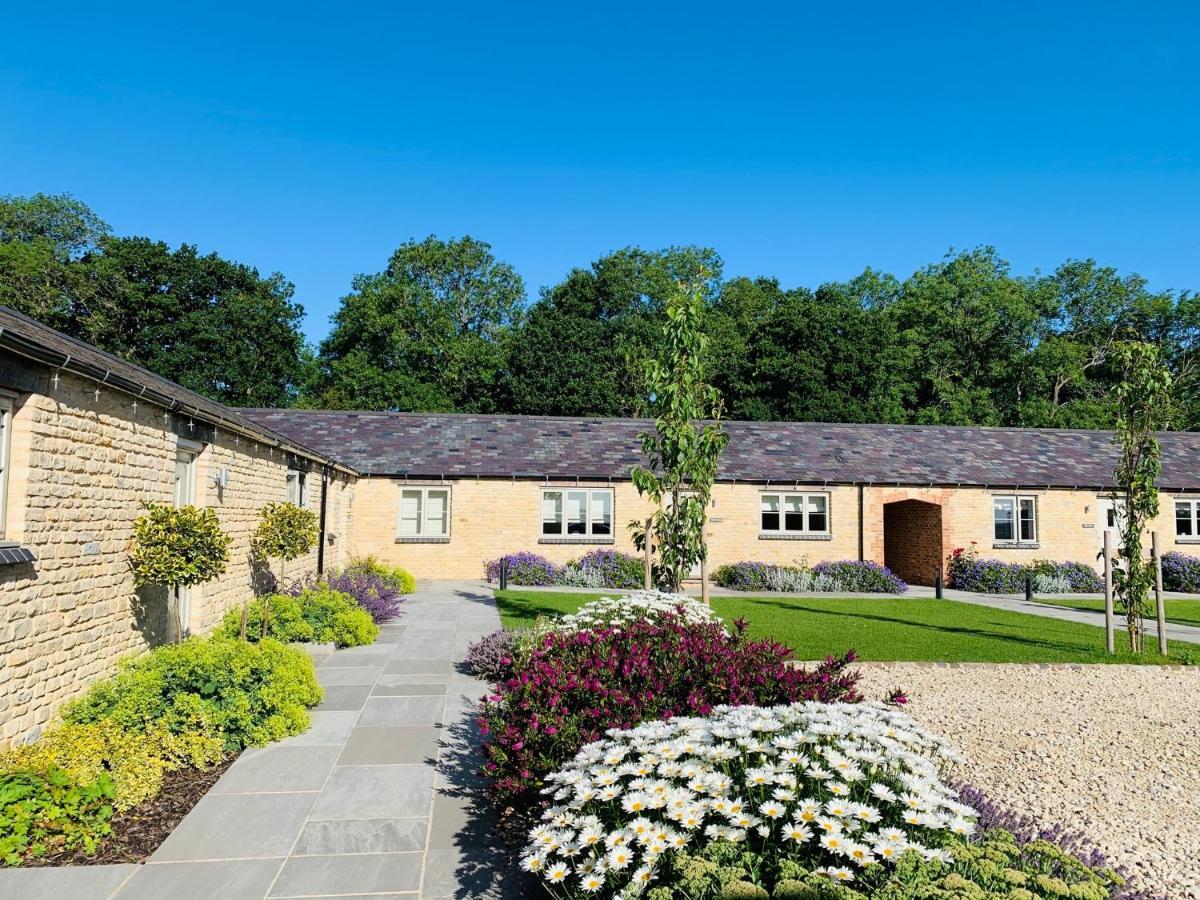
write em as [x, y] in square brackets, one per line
[297, 489]
[1186, 514]
[424, 513]
[580, 513]
[794, 513]
[6, 408]
[1014, 520]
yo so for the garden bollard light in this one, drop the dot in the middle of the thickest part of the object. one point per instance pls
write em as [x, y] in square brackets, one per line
[937, 586]
[503, 574]
[1028, 588]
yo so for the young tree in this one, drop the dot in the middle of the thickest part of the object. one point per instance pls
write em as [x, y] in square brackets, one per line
[177, 548]
[286, 531]
[682, 451]
[1143, 406]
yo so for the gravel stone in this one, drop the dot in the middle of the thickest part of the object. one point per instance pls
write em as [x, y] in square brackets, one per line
[1112, 752]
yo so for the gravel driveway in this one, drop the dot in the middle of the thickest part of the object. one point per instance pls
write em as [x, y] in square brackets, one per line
[1110, 751]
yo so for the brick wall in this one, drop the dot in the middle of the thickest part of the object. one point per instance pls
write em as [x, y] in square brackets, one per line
[80, 469]
[912, 540]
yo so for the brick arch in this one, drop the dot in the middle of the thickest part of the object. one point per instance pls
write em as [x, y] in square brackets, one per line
[907, 529]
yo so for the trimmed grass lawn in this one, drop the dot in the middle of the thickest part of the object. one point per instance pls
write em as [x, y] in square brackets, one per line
[1184, 612]
[879, 629]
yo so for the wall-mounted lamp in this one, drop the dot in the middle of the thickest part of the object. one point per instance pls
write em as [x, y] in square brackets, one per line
[221, 478]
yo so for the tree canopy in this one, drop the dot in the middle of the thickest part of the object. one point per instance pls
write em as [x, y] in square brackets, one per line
[446, 326]
[213, 325]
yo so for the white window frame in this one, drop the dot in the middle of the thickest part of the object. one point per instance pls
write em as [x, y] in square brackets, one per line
[806, 511]
[1193, 505]
[6, 414]
[1018, 502]
[421, 531]
[297, 487]
[589, 516]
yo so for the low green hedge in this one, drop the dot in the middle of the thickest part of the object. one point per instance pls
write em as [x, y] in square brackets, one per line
[248, 694]
[400, 578]
[318, 615]
[179, 706]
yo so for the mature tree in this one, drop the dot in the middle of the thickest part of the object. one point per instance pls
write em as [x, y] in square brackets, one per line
[1143, 407]
[42, 239]
[213, 325]
[427, 333]
[583, 346]
[683, 451]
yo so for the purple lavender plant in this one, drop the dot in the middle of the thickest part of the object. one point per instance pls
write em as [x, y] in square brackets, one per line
[525, 568]
[491, 657]
[861, 576]
[373, 592]
[1181, 572]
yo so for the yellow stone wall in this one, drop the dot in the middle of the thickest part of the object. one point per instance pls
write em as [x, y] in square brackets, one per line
[80, 469]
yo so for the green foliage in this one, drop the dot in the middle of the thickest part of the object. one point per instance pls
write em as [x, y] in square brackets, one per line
[319, 615]
[178, 547]
[992, 867]
[424, 334]
[682, 454]
[400, 578]
[1143, 403]
[44, 812]
[213, 325]
[135, 760]
[285, 531]
[248, 694]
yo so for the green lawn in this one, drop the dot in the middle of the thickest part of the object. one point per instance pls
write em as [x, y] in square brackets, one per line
[880, 629]
[1185, 612]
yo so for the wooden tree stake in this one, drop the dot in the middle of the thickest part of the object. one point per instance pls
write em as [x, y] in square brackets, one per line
[646, 580]
[1159, 604]
[1109, 640]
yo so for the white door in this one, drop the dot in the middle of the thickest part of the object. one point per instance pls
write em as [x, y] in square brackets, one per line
[1110, 515]
[185, 495]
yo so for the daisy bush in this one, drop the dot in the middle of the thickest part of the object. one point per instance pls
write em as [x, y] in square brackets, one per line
[578, 683]
[651, 606]
[834, 792]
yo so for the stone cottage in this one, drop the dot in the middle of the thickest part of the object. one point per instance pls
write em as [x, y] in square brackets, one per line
[87, 438]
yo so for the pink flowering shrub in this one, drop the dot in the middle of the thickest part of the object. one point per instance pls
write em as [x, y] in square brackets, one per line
[577, 686]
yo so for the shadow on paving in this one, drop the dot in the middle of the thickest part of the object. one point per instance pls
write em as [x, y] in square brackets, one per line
[486, 862]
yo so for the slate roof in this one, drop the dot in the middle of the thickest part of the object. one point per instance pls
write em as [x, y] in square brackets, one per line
[504, 446]
[29, 338]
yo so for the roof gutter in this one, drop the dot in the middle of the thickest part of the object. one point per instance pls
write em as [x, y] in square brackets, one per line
[32, 350]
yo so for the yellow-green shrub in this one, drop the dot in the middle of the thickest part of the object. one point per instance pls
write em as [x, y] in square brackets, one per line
[399, 577]
[248, 694]
[135, 760]
[318, 615]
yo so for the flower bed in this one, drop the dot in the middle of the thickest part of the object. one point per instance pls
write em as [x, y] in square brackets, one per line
[376, 588]
[318, 614]
[600, 568]
[577, 684]
[807, 791]
[969, 572]
[1181, 572]
[177, 708]
[842, 576]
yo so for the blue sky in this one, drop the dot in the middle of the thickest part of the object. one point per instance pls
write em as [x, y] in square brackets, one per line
[802, 141]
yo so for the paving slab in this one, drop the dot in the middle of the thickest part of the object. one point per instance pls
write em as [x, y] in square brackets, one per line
[325, 837]
[355, 873]
[390, 746]
[344, 697]
[329, 728]
[376, 792]
[74, 882]
[239, 879]
[395, 711]
[278, 770]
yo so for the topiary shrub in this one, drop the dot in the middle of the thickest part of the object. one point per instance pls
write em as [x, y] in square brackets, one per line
[177, 548]
[135, 760]
[42, 813]
[286, 531]
[318, 615]
[247, 694]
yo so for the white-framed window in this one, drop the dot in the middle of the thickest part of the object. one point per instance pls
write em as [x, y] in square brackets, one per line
[577, 512]
[424, 512]
[1014, 519]
[1187, 519]
[6, 409]
[792, 513]
[297, 488]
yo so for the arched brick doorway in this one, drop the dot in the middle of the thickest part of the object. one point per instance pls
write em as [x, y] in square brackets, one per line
[912, 540]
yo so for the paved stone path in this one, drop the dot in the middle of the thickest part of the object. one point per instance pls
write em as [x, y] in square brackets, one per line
[376, 799]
